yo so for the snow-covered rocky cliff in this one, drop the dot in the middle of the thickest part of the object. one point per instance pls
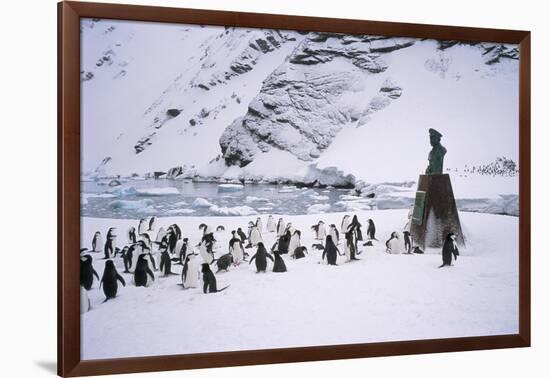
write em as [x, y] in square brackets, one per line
[230, 103]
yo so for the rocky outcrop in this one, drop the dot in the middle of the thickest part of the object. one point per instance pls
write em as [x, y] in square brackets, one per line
[258, 43]
[305, 103]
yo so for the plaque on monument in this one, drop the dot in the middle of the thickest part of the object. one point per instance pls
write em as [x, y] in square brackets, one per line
[418, 211]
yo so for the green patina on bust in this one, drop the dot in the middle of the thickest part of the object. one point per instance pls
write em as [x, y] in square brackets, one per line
[436, 155]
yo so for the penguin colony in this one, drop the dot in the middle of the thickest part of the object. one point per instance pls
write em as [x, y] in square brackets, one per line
[146, 252]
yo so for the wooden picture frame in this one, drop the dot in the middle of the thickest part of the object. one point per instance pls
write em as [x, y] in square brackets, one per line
[69, 361]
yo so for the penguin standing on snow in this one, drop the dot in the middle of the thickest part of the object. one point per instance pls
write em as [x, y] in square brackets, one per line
[109, 248]
[294, 242]
[160, 234]
[407, 240]
[393, 244]
[330, 251]
[142, 226]
[109, 280]
[282, 243]
[236, 249]
[207, 257]
[371, 230]
[132, 235]
[142, 271]
[449, 250]
[209, 280]
[97, 242]
[133, 254]
[127, 254]
[271, 227]
[280, 227]
[190, 273]
[279, 264]
[165, 263]
[255, 236]
[87, 272]
[350, 248]
[319, 230]
[334, 234]
[151, 224]
[181, 250]
[261, 257]
[241, 234]
[259, 224]
[355, 226]
[345, 224]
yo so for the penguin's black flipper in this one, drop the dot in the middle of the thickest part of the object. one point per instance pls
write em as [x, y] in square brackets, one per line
[150, 273]
[253, 257]
[119, 277]
[271, 257]
[152, 261]
[95, 273]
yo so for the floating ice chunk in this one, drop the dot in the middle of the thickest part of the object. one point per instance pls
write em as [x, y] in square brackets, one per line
[309, 193]
[168, 191]
[230, 187]
[180, 203]
[98, 195]
[288, 189]
[122, 192]
[318, 208]
[238, 210]
[349, 197]
[180, 211]
[250, 199]
[130, 205]
[321, 198]
[201, 202]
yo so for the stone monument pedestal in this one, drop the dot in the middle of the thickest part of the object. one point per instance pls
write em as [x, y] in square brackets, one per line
[435, 214]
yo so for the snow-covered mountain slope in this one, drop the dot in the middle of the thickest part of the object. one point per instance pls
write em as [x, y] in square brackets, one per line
[181, 87]
[263, 104]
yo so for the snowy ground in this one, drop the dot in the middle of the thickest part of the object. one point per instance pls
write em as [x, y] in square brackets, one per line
[379, 298]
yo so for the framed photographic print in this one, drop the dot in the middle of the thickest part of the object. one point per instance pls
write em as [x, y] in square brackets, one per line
[239, 188]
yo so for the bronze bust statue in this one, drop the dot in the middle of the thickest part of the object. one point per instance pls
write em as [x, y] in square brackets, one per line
[435, 158]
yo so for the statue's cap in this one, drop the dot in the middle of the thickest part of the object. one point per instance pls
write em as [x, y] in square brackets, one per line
[435, 133]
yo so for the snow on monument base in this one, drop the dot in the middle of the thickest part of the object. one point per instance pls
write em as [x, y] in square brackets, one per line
[435, 214]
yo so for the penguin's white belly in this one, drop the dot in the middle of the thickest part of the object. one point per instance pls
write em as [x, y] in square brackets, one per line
[192, 277]
[84, 301]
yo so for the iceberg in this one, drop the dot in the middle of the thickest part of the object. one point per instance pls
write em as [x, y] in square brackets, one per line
[201, 202]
